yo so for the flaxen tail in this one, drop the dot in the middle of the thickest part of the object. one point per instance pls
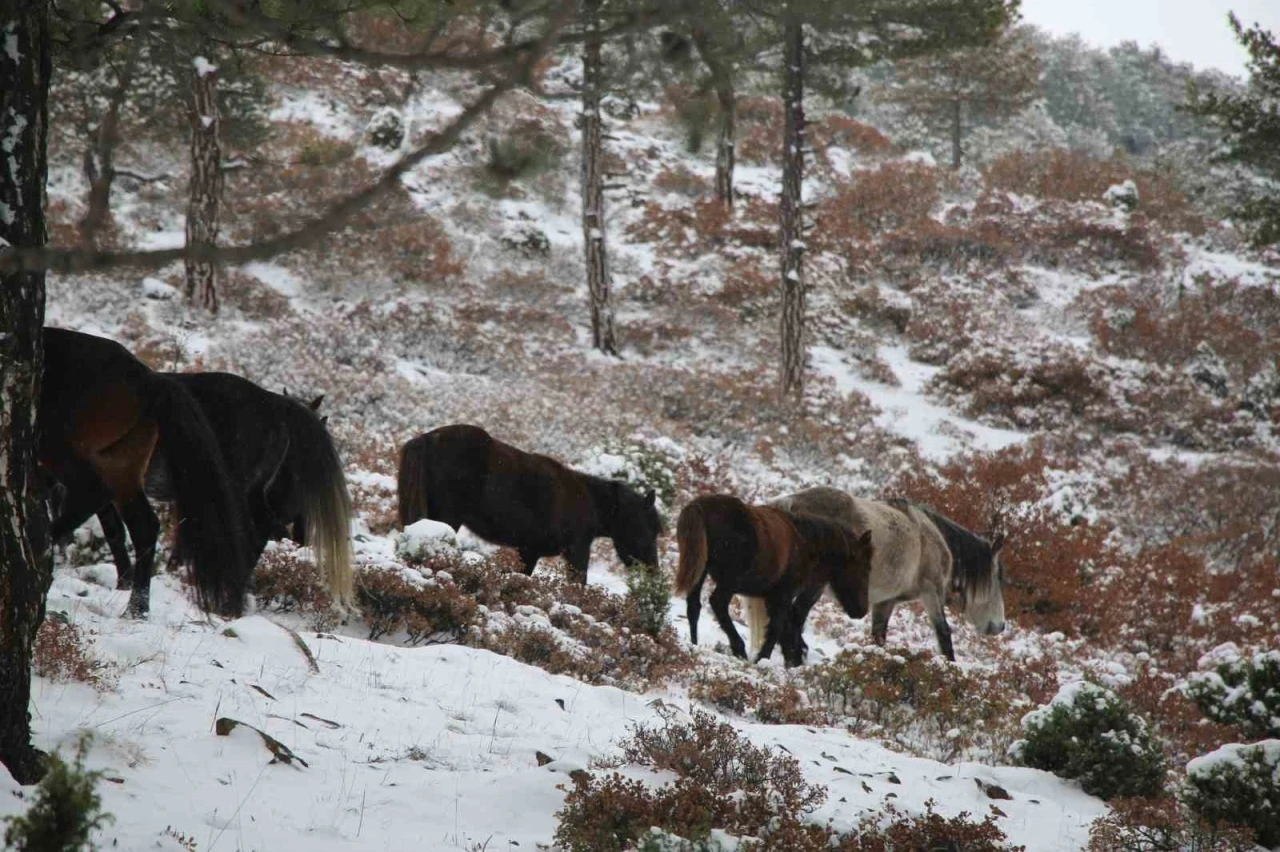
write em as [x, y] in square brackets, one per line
[691, 535]
[757, 623]
[411, 485]
[326, 502]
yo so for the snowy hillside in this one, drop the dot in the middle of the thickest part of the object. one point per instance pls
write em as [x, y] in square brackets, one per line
[1005, 344]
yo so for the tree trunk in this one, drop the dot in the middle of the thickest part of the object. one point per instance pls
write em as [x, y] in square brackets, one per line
[206, 183]
[791, 241]
[726, 97]
[24, 546]
[100, 167]
[957, 150]
[602, 331]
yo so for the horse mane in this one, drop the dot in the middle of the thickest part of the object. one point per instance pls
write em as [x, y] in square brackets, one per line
[970, 552]
[821, 533]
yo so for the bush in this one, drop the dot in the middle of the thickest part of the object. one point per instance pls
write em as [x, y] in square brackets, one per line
[759, 699]
[62, 653]
[1240, 785]
[928, 831]
[527, 149]
[1087, 733]
[286, 579]
[1161, 825]
[65, 811]
[426, 609]
[1244, 692]
[914, 699]
[644, 464]
[649, 595]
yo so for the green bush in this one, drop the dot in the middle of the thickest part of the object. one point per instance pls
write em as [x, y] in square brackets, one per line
[649, 595]
[1239, 785]
[1244, 692]
[1089, 734]
[65, 811]
[645, 465]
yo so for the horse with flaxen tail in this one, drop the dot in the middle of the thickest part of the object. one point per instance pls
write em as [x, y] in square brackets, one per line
[462, 476]
[281, 459]
[774, 558]
[103, 416]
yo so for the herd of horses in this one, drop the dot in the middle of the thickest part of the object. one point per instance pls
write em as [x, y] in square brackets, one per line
[242, 465]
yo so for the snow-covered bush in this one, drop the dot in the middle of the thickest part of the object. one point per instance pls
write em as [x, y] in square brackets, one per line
[1244, 692]
[1162, 825]
[425, 539]
[649, 594]
[286, 579]
[386, 129]
[1239, 784]
[1123, 194]
[646, 464]
[1089, 734]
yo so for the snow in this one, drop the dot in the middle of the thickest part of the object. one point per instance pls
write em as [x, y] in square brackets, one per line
[154, 288]
[431, 746]
[203, 66]
[939, 432]
[423, 539]
[1232, 756]
[11, 43]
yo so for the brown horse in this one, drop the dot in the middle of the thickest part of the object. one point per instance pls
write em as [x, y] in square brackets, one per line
[103, 415]
[281, 459]
[765, 552]
[462, 476]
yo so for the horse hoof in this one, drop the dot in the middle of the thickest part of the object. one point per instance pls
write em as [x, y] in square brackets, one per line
[137, 613]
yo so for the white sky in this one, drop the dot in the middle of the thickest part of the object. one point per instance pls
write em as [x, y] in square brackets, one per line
[1194, 31]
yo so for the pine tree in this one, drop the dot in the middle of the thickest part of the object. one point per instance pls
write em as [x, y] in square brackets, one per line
[956, 88]
[593, 232]
[1250, 124]
[833, 36]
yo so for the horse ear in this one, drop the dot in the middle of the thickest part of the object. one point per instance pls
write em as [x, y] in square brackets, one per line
[324, 420]
[997, 543]
[315, 403]
[651, 497]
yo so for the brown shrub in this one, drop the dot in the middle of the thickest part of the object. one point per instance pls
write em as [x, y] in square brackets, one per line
[759, 130]
[841, 131]
[250, 296]
[283, 581]
[927, 831]
[680, 180]
[63, 653]
[432, 610]
[914, 700]
[1160, 825]
[761, 700]
[874, 202]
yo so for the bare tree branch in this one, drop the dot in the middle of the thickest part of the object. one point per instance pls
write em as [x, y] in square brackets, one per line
[73, 260]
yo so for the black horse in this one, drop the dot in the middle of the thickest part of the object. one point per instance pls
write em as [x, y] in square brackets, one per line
[281, 459]
[462, 476]
[104, 417]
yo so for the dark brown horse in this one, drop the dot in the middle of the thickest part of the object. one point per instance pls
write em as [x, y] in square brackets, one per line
[766, 553]
[462, 476]
[103, 416]
[281, 459]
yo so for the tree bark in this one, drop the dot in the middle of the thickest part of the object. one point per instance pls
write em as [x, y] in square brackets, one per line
[791, 238]
[602, 330]
[206, 182]
[957, 128]
[24, 547]
[100, 167]
[726, 121]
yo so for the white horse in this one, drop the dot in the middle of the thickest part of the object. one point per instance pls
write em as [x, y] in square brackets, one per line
[918, 555]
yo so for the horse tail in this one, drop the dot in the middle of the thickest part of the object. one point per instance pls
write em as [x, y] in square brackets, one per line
[326, 505]
[411, 485]
[210, 535]
[757, 622]
[691, 535]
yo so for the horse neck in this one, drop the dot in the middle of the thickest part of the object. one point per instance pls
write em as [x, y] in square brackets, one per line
[605, 501]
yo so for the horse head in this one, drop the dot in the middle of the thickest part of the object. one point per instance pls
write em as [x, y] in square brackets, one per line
[636, 525]
[983, 595]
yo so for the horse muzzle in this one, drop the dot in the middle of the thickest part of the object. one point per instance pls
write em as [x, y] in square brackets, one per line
[993, 628]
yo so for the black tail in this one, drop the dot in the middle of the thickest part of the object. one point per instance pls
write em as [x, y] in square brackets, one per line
[211, 514]
[412, 482]
[326, 503]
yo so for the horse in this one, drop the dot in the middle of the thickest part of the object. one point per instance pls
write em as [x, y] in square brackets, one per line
[772, 556]
[462, 476]
[919, 555]
[281, 459]
[103, 417]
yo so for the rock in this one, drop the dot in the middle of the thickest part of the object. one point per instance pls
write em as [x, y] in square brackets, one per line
[993, 791]
[543, 758]
[526, 239]
[386, 129]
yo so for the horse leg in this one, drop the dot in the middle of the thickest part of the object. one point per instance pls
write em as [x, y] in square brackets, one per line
[144, 529]
[720, 606]
[933, 605]
[880, 621]
[778, 604]
[693, 605]
[578, 555]
[799, 614]
[86, 493]
[113, 531]
[529, 558]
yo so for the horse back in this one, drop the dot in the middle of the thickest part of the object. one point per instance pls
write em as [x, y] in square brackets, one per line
[777, 542]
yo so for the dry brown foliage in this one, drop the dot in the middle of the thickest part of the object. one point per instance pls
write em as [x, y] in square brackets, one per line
[64, 653]
[1162, 825]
